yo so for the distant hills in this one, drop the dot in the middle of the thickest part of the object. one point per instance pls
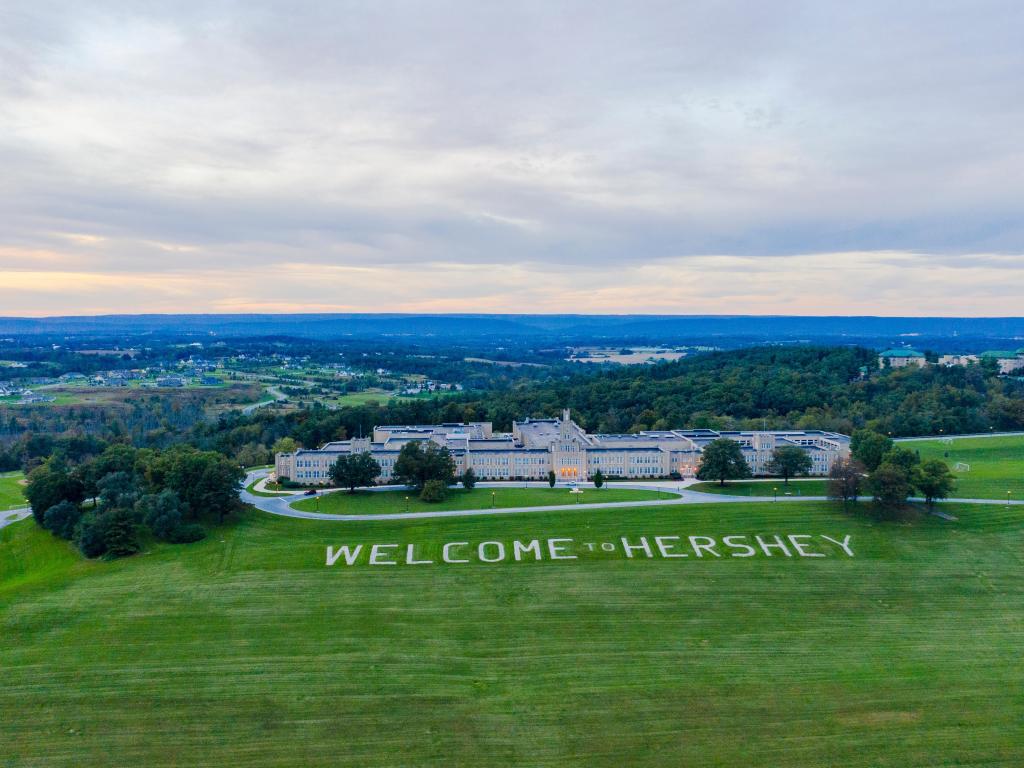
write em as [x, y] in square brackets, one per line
[611, 327]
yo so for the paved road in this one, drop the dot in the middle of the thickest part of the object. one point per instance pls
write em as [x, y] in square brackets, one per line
[14, 515]
[277, 394]
[281, 505]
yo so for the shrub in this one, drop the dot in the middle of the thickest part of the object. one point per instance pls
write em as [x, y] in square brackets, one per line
[111, 533]
[434, 491]
[61, 519]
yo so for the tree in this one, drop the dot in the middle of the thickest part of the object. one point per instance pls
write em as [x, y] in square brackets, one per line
[415, 466]
[207, 482]
[117, 490]
[355, 471]
[933, 480]
[434, 490]
[890, 486]
[869, 447]
[598, 479]
[551, 478]
[162, 512]
[285, 445]
[111, 533]
[844, 480]
[49, 485]
[902, 457]
[61, 519]
[469, 479]
[91, 534]
[723, 460]
[120, 536]
[789, 460]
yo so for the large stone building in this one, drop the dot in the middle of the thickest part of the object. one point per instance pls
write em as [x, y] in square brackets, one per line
[535, 447]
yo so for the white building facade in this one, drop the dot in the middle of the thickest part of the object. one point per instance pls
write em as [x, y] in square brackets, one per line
[536, 447]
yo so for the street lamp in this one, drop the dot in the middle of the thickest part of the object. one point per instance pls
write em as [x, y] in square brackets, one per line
[1008, 497]
[492, 499]
[406, 503]
[776, 493]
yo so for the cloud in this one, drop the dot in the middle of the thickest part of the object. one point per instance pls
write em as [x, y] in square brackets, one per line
[543, 156]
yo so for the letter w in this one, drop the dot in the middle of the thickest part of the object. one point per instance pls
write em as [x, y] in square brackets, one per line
[350, 555]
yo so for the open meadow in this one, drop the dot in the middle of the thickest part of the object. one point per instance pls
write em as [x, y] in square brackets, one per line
[996, 464]
[12, 490]
[246, 649]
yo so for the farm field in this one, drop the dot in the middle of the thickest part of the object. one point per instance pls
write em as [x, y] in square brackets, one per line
[12, 492]
[383, 502]
[996, 464]
[244, 649]
[797, 487]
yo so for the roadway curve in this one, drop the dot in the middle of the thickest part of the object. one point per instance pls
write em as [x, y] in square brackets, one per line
[281, 505]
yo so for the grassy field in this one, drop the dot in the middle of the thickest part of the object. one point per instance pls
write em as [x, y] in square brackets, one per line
[997, 464]
[815, 487]
[11, 490]
[383, 502]
[245, 650]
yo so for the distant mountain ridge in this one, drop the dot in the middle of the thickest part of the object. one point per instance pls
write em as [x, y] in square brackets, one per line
[326, 326]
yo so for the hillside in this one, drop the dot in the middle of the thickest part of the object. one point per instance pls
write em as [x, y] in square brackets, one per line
[245, 649]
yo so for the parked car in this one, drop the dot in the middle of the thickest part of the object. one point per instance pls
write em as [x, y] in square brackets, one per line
[310, 492]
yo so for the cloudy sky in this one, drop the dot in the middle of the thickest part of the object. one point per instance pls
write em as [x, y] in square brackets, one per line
[686, 157]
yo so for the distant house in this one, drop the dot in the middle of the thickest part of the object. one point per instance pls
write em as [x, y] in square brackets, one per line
[31, 397]
[951, 360]
[170, 381]
[209, 381]
[901, 358]
[1008, 362]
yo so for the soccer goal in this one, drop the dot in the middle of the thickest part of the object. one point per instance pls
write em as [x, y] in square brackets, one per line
[946, 440]
[962, 466]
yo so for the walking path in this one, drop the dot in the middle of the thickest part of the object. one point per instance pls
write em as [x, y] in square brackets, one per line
[14, 515]
[282, 505]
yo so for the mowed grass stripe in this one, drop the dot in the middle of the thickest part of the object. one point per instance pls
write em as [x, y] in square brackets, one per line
[905, 655]
[388, 502]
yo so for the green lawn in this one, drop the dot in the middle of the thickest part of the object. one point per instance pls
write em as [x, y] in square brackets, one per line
[997, 464]
[11, 490]
[383, 502]
[245, 650]
[814, 487]
[251, 488]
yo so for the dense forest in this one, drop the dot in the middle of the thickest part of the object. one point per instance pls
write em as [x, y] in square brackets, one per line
[833, 388]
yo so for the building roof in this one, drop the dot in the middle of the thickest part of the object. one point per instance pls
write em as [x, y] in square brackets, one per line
[901, 353]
